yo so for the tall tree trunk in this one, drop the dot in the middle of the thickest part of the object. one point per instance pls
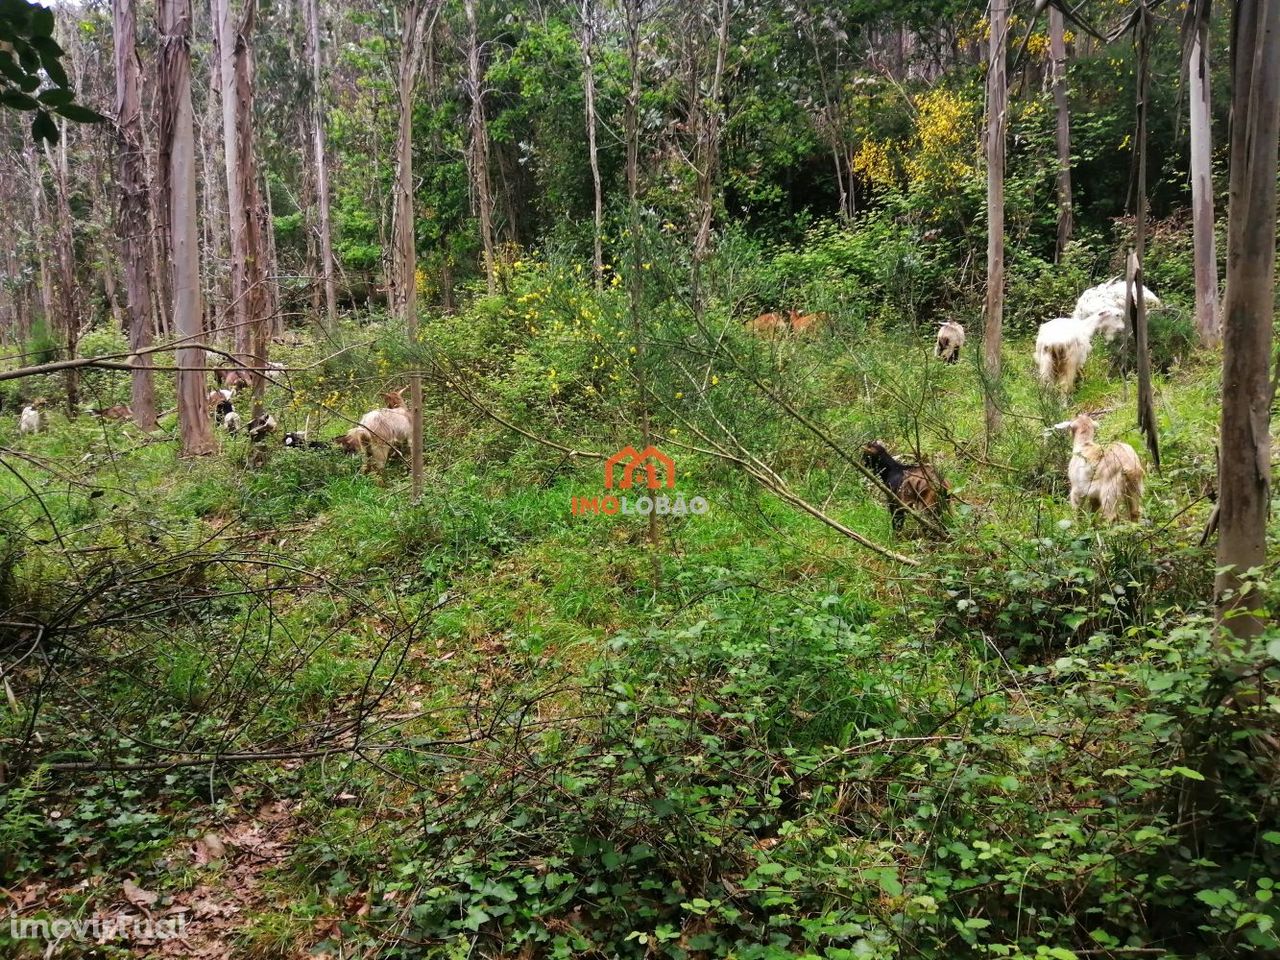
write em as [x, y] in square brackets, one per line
[133, 221]
[68, 303]
[478, 154]
[321, 161]
[40, 239]
[593, 156]
[1244, 470]
[632, 12]
[177, 149]
[997, 103]
[404, 292]
[1062, 109]
[1206, 251]
[1136, 304]
[158, 241]
[250, 297]
[225, 34]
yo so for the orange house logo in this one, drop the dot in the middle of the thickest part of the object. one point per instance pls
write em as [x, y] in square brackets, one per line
[651, 458]
[623, 471]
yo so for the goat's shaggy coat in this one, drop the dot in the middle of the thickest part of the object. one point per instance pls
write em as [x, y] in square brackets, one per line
[31, 420]
[231, 422]
[914, 488]
[1102, 477]
[950, 340]
[1062, 347]
[1106, 301]
[379, 432]
[118, 412]
[260, 426]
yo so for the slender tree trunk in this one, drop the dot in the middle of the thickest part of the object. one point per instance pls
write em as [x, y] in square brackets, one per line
[479, 145]
[589, 89]
[632, 12]
[321, 161]
[40, 238]
[68, 303]
[237, 203]
[133, 221]
[1136, 305]
[997, 101]
[1206, 252]
[177, 147]
[1244, 470]
[1062, 109]
[157, 199]
[404, 263]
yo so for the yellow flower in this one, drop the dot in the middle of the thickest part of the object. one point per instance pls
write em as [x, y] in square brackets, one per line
[679, 395]
[714, 380]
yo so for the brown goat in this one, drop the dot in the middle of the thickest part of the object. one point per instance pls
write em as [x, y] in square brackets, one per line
[378, 433]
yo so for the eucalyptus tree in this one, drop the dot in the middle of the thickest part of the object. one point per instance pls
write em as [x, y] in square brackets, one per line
[134, 221]
[178, 166]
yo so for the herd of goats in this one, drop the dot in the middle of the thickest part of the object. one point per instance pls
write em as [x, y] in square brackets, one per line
[1103, 477]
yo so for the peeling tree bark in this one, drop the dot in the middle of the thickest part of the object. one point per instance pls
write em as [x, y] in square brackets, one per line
[320, 158]
[478, 152]
[177, 150]
[68, 309]
[593, 155]
[1206, 253]
[1062, 109]
[404, 300]
[133, 221]
[1244, 468]
[997, 102]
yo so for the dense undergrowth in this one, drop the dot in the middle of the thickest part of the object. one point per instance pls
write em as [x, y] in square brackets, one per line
[503, 736]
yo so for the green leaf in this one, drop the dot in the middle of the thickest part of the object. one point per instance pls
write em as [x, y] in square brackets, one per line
[42, 22]
[78, 114]
[43, 127]
[1184, 772]
[56, 97]
[17, 100]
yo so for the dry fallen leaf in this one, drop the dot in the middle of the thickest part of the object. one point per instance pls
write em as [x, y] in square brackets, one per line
[137, 896]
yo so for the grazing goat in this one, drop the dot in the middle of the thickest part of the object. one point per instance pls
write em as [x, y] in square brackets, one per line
[772, 324]
[802, 324]
[297, 441]
[231, 422]
[950, 340]
[1062, 347]
[260, 426]
[914, 488]
[378, 433]
[1107, 302]
[31, 420]
[1102, 476]
[220, 404]
[236, 379]
[118, 412]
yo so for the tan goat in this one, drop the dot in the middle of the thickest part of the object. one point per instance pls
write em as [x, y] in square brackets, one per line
[1102, 477]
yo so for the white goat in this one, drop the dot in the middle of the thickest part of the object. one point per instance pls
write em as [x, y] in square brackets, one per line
[1107, 301]
[379, 432]
[1102, 476]
[1062, 347]
[950, 340]
[231, 422]
[31, 420]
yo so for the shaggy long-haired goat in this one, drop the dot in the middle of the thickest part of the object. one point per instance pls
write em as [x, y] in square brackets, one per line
[914, 488]
[950, 340]
[379, 432]
[32, 419]
[1102, 476]
[1107, 302]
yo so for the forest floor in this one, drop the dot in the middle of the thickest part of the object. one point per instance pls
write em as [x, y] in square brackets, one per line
[432, 720]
